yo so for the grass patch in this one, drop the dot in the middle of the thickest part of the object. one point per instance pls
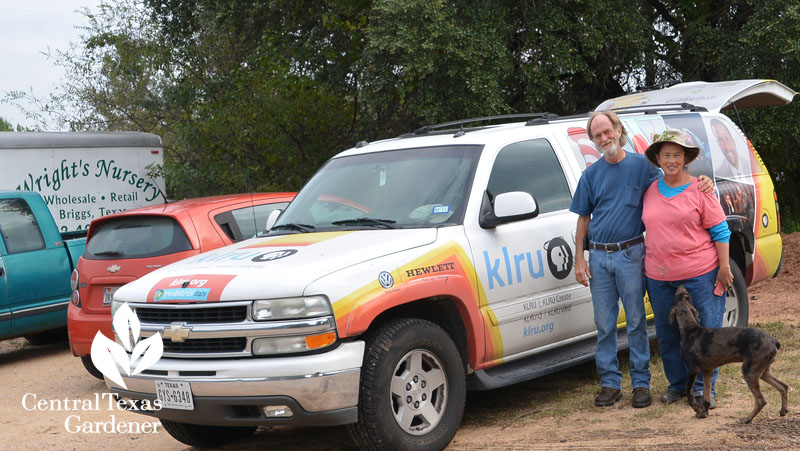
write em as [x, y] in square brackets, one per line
[573, 390]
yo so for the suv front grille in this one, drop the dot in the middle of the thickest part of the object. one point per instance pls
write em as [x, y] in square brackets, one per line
[219, 329]
[206, 345]
[232, 314]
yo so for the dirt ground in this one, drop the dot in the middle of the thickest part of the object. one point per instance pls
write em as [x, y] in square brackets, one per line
[47, 399]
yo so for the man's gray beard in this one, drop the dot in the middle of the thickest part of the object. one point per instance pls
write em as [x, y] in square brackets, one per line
[611, 151]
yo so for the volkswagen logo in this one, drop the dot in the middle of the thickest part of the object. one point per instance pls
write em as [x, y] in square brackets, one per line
[386, 280]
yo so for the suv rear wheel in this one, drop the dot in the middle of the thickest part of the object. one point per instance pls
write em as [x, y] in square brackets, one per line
[737, 305]
[413, 388]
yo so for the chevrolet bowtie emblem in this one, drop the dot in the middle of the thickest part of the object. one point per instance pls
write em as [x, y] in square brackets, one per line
[176, 332]
[113, 268]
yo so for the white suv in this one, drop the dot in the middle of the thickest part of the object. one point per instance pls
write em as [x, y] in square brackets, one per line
[412, 269]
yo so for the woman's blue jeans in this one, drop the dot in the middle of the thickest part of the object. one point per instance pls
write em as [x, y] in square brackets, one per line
[620, 275]
[711, 309]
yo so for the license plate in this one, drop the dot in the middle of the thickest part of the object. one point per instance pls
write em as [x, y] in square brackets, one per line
[175, 395]
[108, 295]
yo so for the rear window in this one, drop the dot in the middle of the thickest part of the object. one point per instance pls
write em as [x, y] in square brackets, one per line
[136, 237]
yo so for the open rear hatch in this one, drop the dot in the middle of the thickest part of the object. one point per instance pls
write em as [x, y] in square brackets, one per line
[717, 96]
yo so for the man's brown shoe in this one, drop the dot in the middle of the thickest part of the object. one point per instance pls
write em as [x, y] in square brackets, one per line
[641, 397]
[607, 397]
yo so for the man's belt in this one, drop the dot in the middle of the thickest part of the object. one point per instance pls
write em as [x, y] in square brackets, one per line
[614, 247]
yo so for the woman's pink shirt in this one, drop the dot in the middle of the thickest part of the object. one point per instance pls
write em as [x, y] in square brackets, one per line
[677, 240]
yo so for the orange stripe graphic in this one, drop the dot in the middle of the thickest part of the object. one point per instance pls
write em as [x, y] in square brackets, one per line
[305, 239]
[439, 265]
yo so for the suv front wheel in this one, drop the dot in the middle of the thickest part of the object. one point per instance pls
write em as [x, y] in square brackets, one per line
[413, 388]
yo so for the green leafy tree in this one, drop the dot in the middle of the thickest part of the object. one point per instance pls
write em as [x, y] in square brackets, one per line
[743, 39]
[5, 126]
[256, 95]
[256, 114]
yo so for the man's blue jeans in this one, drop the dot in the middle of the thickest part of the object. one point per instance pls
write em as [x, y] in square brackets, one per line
[711, 309]
[620, 275]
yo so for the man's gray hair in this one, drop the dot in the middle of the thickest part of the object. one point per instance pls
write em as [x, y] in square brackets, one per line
[615, 122]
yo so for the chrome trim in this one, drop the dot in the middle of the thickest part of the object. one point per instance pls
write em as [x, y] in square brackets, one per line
[248, 329]
[181, 306]
[40, 309]
[317, 392]
[319, 382]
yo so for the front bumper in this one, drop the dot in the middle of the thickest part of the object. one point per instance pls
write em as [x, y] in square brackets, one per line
[320, 389]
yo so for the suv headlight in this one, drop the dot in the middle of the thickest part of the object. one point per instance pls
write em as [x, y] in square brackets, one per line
[291, 308]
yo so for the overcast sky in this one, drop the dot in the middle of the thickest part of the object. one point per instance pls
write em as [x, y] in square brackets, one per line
[28, 29]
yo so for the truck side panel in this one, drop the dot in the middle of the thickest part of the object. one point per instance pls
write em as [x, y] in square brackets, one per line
[75, 250]
[36, 266]
[5, 308]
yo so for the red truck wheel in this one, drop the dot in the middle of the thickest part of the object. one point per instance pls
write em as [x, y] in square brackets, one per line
[413, 388]
[87, 363]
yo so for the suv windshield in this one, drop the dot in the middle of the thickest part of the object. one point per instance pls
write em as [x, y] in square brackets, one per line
[409, 188]
[136, 237]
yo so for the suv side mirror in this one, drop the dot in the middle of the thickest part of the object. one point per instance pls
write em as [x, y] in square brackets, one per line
[272, 218]
[508, 207]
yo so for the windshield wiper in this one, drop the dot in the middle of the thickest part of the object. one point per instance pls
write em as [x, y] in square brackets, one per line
[383, 223]
[305, 228]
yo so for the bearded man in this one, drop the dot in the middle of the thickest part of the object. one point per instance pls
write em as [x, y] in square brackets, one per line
[608, 201]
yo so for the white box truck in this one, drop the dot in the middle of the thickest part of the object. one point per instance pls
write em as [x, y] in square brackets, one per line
[83, 175]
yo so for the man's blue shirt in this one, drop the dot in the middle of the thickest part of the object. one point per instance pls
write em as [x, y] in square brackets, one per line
[612, 195]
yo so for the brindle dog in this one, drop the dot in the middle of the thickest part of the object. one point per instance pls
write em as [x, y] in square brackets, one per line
[705, 349]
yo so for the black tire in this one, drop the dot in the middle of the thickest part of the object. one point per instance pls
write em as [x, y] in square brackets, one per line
[48, 337]
[201, 436]
[87, 363]
[428, 394]
[737, 306]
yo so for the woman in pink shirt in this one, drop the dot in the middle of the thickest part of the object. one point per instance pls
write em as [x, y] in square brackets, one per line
[686, 244]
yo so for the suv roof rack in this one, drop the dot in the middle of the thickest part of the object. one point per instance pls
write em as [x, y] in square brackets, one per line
[446, 127]
[657, 86]
[656, 107]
